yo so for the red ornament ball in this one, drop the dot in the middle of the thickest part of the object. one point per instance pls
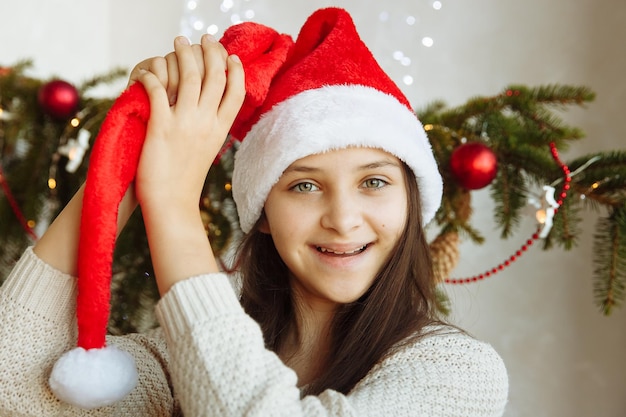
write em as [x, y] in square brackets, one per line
[473, 165]
[59, 99]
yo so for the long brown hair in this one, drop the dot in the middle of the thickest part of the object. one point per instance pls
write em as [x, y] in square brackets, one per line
[398, 305]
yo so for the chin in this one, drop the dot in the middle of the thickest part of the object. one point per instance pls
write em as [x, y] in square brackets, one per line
[347, 298]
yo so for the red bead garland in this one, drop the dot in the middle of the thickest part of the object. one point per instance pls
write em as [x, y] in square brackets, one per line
[567, 179]
[15, 207]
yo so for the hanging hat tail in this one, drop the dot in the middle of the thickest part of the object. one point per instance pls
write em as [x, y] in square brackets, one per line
[94, 374]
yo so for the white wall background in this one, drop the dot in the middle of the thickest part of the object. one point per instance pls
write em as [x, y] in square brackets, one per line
[563, 357]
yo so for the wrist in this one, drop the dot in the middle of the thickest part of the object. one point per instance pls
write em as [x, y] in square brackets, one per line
[179, 245]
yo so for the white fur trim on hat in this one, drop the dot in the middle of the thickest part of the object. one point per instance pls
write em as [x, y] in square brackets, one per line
[323, 119]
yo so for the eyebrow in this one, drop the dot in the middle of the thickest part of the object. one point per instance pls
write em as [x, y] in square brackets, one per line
[371, 165]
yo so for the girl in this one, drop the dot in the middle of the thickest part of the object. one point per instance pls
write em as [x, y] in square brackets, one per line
[333, 183]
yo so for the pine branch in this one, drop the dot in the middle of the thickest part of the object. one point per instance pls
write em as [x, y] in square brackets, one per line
[509, 193]
[555, 94]
[601, 178]
[535, 163]
[566, 225]
[442, 302]
[114, 75]
[610, 261]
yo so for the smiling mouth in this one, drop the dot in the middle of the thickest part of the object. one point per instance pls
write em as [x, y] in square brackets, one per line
[337, 253]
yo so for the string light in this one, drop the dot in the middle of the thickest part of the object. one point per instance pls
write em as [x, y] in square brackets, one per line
[5, 115]
[411, 21]
[75, 150]
[222, 14]
[545, 216]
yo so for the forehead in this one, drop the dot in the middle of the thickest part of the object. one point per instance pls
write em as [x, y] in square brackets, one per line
[352, 157]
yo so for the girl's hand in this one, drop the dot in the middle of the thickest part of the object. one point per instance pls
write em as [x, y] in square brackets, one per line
[165, 68]
[182, 139]
[185, 134]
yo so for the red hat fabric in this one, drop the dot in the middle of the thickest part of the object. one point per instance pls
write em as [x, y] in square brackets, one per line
[323, 92]
[330, 94]
[94, 374]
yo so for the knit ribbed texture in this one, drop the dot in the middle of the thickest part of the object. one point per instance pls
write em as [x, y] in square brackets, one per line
[52, 295]
[194, 299]
[38, 324]
[445, 374]
[219, 365]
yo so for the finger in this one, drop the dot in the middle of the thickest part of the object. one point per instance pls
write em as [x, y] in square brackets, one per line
[214, 82]
[235, 91]
[198, 54]
[190, 81]
[172, 70]
[157, 94]
[173, 77]
[156, 65]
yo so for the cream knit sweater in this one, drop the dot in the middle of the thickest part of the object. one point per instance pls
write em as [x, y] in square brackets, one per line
[209, 360]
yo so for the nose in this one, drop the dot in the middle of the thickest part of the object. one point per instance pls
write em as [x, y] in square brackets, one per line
[342, 212]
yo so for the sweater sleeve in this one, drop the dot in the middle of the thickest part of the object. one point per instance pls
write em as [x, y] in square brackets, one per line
[38, 324]
[221, 368]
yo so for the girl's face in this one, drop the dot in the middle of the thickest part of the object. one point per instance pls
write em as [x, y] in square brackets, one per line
[334, 218]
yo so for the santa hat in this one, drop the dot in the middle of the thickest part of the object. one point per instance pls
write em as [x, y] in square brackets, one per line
[94, 374]
[324, 92]
[330, 94]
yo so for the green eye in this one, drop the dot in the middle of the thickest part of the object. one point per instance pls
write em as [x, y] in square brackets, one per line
[305, 187]
[374, 183]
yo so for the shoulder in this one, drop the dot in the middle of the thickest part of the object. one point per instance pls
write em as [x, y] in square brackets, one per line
[450, 351]
[449, 346]
[444, 367]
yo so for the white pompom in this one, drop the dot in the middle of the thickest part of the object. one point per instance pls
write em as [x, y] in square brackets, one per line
[93, 378]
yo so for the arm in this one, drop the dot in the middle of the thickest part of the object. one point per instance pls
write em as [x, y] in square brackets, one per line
[37, 325]
[38, 322]
[181, 143]
[58, 247]
[221, 367]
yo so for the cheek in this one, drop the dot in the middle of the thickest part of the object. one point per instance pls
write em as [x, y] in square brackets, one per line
[392, 216]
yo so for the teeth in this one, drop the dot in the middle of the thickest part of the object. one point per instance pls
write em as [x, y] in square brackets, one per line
[325, 250]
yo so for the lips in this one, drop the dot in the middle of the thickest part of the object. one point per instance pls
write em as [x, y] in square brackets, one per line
[334, 252]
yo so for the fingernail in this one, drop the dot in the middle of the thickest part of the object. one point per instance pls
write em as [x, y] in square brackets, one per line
[210, 37]
[183, 40]
[235, 58]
